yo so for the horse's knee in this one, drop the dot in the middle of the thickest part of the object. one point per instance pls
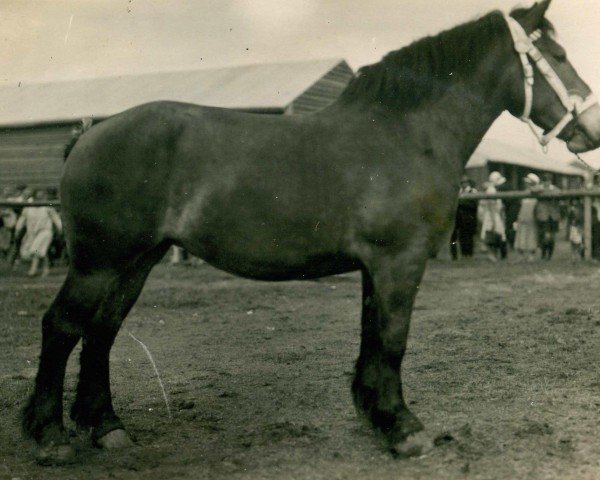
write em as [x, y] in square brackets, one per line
[393, 345]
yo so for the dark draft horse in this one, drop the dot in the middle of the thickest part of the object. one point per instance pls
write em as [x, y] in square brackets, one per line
[370, 183]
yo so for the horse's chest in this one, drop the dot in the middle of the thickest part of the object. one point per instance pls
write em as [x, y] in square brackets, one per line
[404, 213]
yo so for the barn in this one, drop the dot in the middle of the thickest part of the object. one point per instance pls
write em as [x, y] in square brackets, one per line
[36, 119]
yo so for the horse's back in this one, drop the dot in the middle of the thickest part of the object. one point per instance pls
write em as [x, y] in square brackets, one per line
[235, 188]
[268, 196]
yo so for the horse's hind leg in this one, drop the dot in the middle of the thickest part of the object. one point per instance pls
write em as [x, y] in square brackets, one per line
[93, 403]
[73, 307]
[390, 285]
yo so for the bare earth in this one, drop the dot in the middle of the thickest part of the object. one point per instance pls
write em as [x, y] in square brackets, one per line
[503, 358]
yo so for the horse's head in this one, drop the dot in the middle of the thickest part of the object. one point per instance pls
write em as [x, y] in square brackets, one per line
[549, 93]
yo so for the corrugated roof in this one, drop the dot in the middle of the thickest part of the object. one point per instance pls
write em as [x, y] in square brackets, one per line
[265, 86]
[491, 150]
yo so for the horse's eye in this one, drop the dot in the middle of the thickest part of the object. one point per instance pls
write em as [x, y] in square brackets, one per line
[559, 54]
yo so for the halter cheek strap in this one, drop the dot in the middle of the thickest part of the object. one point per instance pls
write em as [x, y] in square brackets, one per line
[574, 104]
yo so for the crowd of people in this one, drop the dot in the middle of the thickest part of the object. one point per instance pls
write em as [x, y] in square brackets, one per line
[30, 234]
[526, 226]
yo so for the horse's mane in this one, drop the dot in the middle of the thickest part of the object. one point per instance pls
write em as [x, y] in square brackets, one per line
[428, 67]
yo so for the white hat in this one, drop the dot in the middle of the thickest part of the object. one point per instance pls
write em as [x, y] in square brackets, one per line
[532, 178]
[496, 178]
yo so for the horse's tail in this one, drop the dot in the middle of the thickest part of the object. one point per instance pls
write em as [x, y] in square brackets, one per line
[78, 130]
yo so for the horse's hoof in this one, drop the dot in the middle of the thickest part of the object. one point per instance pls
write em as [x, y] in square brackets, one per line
[115, 440]
[414, 445]
[52, 454]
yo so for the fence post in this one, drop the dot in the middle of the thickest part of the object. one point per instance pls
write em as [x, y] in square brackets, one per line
[587, 226]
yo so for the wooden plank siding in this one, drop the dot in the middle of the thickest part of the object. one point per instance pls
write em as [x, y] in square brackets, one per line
[32, 156]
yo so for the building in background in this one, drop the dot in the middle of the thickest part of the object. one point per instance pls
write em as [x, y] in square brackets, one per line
[36, 120]
[514, 163]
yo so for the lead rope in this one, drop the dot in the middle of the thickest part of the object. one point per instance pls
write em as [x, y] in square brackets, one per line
[592, 169]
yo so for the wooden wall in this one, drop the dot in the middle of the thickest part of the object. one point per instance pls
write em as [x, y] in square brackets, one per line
[32, 156]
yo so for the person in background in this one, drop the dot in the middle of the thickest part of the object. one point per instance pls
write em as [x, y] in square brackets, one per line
[526, 239]
[8, 220]
[491, 212]
[511, 212]
[575, 229]
[57, 253]
[465, 225]
[595, 253]
[38, 223]
[547, 217]
[22, 193]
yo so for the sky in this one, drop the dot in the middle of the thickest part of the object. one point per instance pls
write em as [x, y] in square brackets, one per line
[55, 40]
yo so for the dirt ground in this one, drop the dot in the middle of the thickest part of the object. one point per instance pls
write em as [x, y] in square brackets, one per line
[504, 358]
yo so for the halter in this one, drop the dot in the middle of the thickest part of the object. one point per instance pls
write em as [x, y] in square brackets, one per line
[574, 104]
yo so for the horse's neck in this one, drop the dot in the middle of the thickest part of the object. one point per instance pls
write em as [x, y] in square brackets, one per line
[449, 127]
[457, 121]
[449, 111]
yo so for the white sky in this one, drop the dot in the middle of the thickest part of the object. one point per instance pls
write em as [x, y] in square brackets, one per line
[53, 40]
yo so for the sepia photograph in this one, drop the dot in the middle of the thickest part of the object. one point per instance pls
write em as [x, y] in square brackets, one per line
[299, 239]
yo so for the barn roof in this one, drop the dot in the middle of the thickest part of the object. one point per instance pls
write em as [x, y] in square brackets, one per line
[265, 87]
[492, 150]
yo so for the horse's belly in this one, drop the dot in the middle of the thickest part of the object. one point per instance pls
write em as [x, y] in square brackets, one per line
[270, 230]
[267, 258]
[277, 272]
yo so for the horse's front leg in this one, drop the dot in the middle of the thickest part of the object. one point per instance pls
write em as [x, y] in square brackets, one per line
[390, 284]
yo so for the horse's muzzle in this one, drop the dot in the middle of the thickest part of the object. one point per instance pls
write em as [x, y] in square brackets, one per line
[585, 134]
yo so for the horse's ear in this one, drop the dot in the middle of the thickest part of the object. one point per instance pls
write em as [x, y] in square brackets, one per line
[533, 17]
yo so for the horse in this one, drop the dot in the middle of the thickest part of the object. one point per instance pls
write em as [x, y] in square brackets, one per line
[369, 183]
